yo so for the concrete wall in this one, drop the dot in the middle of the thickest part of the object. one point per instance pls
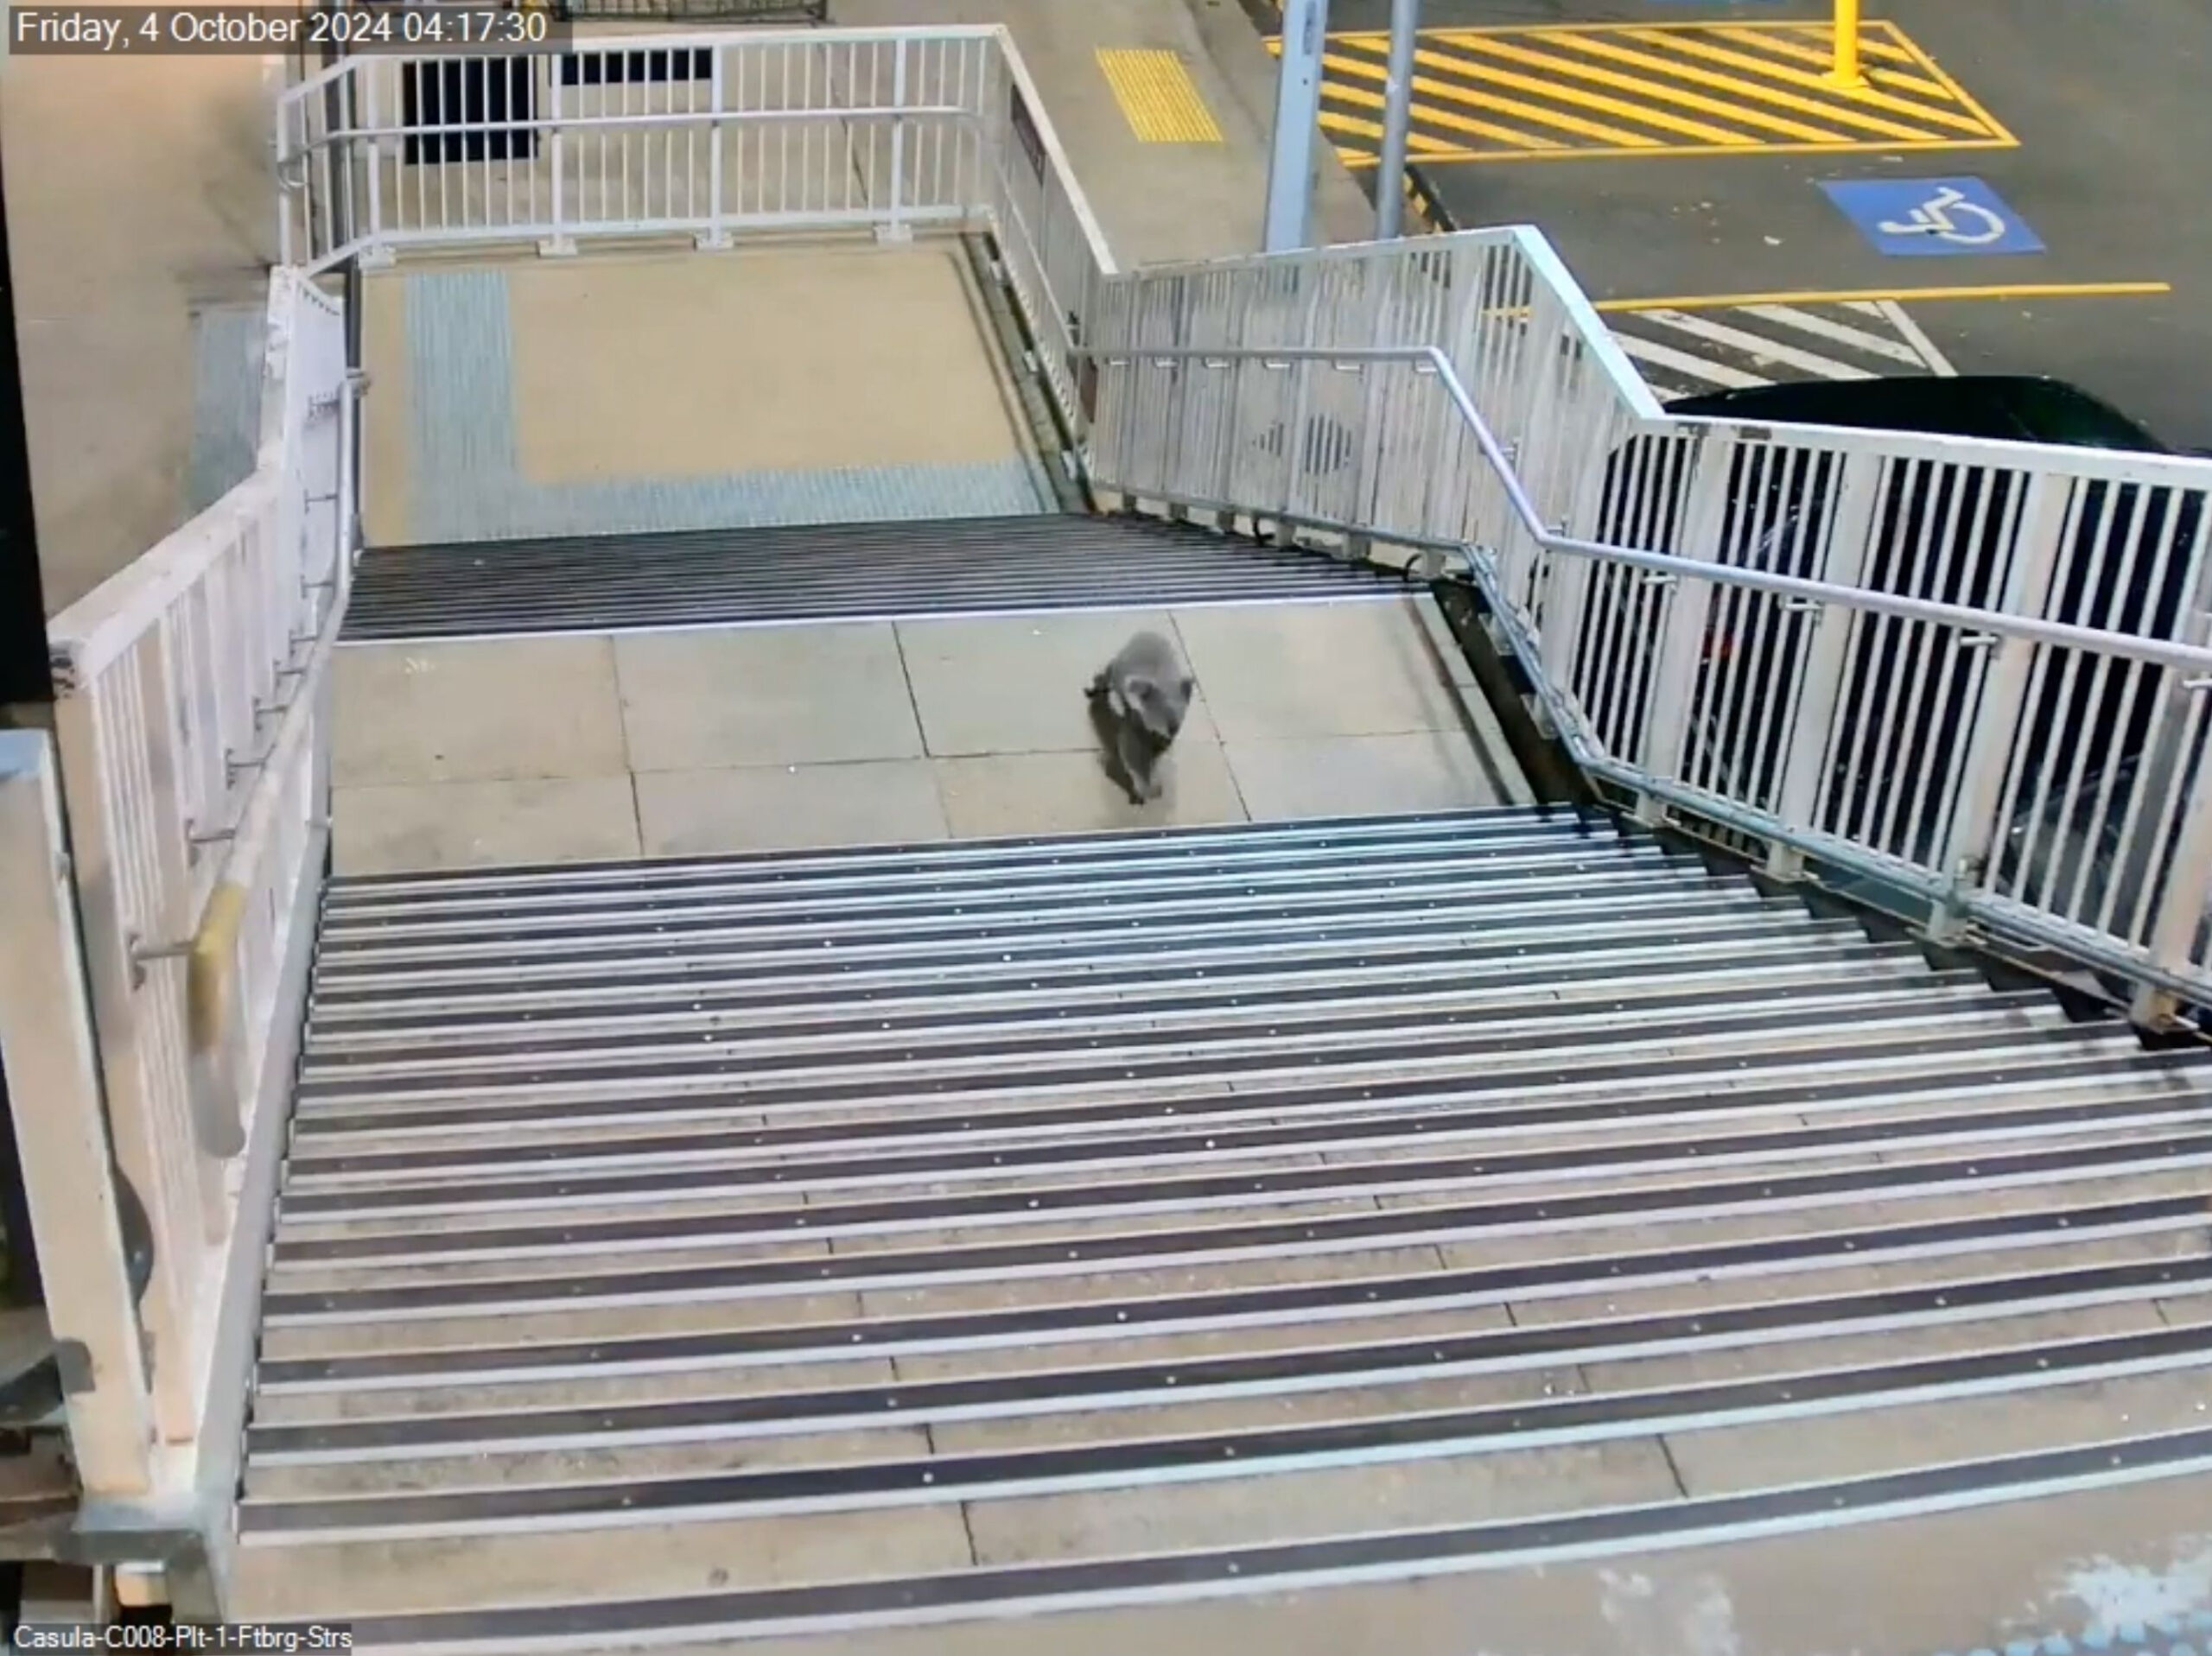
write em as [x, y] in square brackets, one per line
[139, 190]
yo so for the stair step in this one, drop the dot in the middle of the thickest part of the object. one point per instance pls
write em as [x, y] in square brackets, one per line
[815, 1244]
[875, 572]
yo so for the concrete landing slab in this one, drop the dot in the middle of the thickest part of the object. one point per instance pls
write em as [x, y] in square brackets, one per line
[620, 392]
[768, 695]
[1070, 793]
[783, 358]
[1417, 771]
[507, 709]
[699, 743]
[987, 685]
[774, 808]
[483, 824]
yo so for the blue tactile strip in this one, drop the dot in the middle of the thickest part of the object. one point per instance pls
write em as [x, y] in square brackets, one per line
[2179, 1635]
[466, 485]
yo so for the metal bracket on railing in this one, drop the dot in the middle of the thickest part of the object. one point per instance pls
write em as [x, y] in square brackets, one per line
[1658, 577]
[1978, 641]
[1800, 607]
[321, 407]
[2196, 685]
[141, 955]
[234, 767]
[212, 837]
[318, 499]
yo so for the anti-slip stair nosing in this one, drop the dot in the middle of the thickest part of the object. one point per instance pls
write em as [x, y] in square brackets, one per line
[1284, 935]
[1292, 863]
[1087, 1320]
[846, 1076]
[1206, 1194]
[1400, 1554]
[1189, 1379]
[317, 1183]
[1144, 1026]
[1348, 832]
[1277, 1240]
[1731, 927]
[1072, 899]
[456, 1207]
[1577, 1419]
[675, 916]
[1440, 970]
[1721, 1068]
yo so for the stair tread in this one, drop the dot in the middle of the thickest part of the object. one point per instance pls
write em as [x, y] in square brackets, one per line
[869, 571]
[1119, 1205]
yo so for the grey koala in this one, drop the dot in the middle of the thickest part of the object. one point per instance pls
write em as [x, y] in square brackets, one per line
[1139, 701]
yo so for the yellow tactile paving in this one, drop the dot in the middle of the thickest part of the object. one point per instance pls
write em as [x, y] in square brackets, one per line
[1659, 89]
[1158, 99]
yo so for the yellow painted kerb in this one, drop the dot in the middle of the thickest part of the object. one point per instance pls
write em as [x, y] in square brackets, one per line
[1869, 295]
[1158, 98]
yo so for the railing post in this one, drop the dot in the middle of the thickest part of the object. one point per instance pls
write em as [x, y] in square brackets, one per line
[1673, 685]
[1969, 850]
[715, 237]
[1819, 677]
[559, 242]
[897, 230]
[372, 143]
[2186, 904]
[61, 1141]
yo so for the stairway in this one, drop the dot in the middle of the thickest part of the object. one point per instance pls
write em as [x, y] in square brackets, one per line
[841, 572]
[819, 1244]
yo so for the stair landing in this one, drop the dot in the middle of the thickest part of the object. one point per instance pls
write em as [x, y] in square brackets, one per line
[593, 746]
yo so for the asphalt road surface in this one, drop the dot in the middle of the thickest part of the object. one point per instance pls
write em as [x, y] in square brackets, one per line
[2044, 159]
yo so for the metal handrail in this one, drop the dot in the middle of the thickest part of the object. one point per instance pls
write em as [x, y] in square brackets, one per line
[2059, 634]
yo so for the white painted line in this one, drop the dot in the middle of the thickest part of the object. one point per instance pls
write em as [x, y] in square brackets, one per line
[1757, 346]
[1711, 373]
[1938, 364]
[1874, 345]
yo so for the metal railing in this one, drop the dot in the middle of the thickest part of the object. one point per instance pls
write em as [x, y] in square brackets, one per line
[705, 135]
[192, 736]
[1973, 670]
[709, 136]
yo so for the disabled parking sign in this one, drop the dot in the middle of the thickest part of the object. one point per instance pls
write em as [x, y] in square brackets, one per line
[1931, 218]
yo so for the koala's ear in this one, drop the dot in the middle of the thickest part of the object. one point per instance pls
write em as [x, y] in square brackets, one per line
[1189, 685]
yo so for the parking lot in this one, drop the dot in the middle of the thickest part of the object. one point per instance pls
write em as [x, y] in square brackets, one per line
[2008, 193]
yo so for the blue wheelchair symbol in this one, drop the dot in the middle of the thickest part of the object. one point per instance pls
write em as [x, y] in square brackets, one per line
[1931, 218]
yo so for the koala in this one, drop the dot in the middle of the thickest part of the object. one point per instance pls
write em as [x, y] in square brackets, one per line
[1139, 699]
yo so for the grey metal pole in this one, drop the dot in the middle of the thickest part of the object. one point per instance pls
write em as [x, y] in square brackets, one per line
[1298, 113]
[1397, 118]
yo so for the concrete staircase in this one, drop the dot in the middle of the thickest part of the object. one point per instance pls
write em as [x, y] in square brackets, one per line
[839, 1245]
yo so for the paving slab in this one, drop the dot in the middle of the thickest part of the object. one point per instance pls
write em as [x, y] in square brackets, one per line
[770, 808]
[392, 830]
[503, 710]
[765, 695]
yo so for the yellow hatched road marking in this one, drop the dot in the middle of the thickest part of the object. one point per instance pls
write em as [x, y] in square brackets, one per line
[1653, 95]
[1563, 90]
[1741, 87]
[1880, 100]
[1349, 89]
[1158, 99]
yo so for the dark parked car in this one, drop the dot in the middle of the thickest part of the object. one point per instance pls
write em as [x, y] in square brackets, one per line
[2127, 560]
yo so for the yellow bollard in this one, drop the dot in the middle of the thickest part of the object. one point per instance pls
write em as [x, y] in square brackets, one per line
[1847, 73]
